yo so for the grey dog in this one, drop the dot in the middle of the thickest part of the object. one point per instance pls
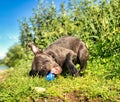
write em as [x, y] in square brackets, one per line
[60, 56]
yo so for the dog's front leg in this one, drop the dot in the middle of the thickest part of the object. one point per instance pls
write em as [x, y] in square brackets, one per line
[70, 65]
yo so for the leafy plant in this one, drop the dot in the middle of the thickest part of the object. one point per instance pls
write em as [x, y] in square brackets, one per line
[14, 56]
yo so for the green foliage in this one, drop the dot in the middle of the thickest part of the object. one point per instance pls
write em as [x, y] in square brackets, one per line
[1, 62]
[14, 56]
[18, 86]
[96, 22]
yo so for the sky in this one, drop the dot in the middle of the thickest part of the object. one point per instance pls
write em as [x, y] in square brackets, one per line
[10, 12]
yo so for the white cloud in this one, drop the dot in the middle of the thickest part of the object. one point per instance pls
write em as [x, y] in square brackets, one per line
[3, 52]
[2, 55]
[13, 38]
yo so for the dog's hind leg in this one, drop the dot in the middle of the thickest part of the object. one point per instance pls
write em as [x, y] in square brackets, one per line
[83, 57]
[70, 65]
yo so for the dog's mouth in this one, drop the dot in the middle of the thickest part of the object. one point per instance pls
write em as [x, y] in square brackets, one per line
[56, 70]
[42, 73]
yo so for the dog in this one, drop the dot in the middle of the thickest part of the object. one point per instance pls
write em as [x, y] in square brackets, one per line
[62, 55]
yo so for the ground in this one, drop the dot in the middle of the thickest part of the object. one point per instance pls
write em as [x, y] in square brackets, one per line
[66, 96]
[75, 96]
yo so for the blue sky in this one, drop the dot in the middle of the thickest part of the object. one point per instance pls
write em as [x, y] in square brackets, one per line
[10, 12]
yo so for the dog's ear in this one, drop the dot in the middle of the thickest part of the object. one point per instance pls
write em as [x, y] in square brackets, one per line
[56, 70]
[34, 48]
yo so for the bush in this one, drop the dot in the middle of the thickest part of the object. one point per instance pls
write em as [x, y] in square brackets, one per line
[14, 56]
[95, 22]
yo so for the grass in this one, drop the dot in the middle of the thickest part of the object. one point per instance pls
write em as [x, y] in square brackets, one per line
[98, 82]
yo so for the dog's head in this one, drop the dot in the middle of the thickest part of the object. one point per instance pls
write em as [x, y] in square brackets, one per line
[42, 63]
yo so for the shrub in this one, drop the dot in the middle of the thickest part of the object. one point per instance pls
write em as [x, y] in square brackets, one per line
[95, 22]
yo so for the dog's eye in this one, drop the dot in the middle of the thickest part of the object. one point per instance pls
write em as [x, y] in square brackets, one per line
[45, 61]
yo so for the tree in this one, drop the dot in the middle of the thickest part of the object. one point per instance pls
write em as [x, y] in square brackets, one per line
[96, 22]
[14, 55]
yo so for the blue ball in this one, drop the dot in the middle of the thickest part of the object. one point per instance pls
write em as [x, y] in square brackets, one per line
[50, 76]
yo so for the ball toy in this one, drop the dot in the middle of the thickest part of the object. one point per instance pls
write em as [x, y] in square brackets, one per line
[50, 76]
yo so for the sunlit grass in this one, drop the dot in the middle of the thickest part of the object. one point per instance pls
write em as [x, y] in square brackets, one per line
[19, 86]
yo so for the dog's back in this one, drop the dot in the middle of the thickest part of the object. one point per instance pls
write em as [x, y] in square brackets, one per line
[67, 42]
[74, 44]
